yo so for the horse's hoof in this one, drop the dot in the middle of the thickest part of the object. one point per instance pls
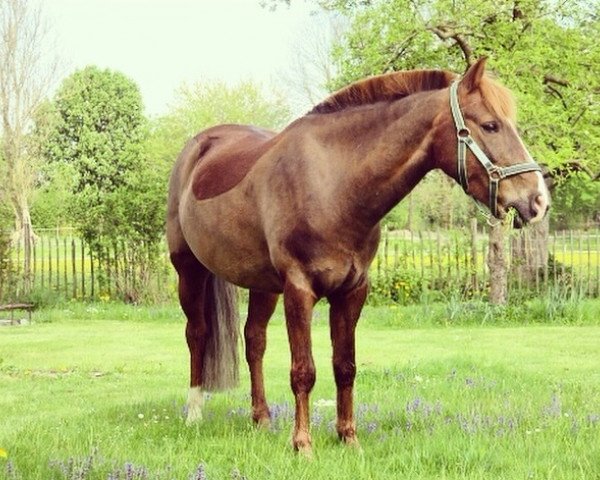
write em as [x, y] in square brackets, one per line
[347, 434]
[303, 445]
[263, 423]
[352, 442]
[261, 417]
[194, 415]
[194, 405]
[305, 451]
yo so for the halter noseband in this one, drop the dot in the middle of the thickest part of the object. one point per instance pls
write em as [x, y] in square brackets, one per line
[465, 140]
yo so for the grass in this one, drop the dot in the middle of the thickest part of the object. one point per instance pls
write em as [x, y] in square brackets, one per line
[97, 392]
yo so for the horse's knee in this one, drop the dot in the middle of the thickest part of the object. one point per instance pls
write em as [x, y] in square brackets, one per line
[195, 332]
[303, 377]
[344, 372]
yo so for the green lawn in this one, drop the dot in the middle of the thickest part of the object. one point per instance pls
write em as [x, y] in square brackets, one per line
[83, 397]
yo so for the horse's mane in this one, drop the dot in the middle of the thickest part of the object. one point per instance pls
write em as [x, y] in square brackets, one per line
[396, 85]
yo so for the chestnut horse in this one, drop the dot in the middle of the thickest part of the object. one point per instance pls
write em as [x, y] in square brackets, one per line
[298, 213]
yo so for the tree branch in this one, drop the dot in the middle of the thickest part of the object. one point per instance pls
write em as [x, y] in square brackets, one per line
[552, 79]
[573, 166]
[554, 92]
[443, 32]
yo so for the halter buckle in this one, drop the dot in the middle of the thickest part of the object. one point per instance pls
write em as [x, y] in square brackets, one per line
[495, 173]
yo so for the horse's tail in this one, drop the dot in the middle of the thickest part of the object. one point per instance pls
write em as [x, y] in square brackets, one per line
[221, 358]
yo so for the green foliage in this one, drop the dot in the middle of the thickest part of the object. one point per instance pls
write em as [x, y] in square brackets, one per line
[435, 202]
[204, 105]
[97, 141]
[545, 51]
[100, 128]
[576, 200]
[52, 199]
[395, 285]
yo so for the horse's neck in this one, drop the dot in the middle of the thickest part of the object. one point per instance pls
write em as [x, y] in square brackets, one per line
[386, 155]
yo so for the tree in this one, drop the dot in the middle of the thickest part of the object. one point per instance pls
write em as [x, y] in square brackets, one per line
[202, 105]
[313, 67]
[25, 77]
[99, 133]
[544, 51]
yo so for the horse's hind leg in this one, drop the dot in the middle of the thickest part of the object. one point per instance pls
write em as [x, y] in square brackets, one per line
[260, 309]
[192, 286]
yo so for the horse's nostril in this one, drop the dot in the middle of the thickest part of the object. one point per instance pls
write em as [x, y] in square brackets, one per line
[538, 205]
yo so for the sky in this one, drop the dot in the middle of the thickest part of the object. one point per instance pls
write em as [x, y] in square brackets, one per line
[161, 44]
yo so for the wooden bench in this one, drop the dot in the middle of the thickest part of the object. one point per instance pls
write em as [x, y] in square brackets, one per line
[12, 307]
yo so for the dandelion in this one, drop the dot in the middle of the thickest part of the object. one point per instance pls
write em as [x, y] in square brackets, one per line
[141, 416]
[3, 453]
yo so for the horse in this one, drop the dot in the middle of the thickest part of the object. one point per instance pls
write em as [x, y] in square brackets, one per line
[298, 213]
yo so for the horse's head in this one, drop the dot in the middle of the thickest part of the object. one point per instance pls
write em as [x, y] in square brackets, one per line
[476, 143]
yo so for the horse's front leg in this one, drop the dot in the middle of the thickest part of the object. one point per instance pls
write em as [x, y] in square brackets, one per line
[343, 316]
[299, 301]
[260, 309]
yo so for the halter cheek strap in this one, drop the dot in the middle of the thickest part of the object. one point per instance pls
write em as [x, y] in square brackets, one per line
[465, 140]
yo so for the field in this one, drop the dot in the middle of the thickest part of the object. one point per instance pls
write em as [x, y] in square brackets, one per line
[97, 392]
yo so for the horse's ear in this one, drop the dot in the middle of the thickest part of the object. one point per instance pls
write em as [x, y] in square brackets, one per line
[473, 75]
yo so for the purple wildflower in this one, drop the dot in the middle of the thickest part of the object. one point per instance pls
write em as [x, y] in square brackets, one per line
[199, 473]
[236, 475]
[11, 471]
[371, 427]
[554, 409]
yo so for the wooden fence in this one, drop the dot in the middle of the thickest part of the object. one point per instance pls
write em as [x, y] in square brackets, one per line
[63, 265]
[425, 260]
[456, 262]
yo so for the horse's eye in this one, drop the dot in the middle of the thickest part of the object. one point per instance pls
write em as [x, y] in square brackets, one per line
[490, 127]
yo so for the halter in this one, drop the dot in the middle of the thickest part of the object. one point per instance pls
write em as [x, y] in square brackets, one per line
[465, 140]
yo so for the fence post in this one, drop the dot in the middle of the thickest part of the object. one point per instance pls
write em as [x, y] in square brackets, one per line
[66, 267]
[82, 269]
[73, 267]
[474, 282]
[497, 265]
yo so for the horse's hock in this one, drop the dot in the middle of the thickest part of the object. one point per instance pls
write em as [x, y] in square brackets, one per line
[15, 307]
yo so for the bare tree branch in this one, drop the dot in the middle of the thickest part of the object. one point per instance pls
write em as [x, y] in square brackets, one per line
[554, 92]
[552, 79]
[25, 77]
[444, 32]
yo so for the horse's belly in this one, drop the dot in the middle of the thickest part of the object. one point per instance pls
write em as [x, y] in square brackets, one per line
[230, 244]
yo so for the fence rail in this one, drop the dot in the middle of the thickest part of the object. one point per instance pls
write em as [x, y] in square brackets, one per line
[407, 263]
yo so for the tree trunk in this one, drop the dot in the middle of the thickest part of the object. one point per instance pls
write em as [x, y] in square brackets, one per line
[529, 249]
[24, 236]
[497, 264]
